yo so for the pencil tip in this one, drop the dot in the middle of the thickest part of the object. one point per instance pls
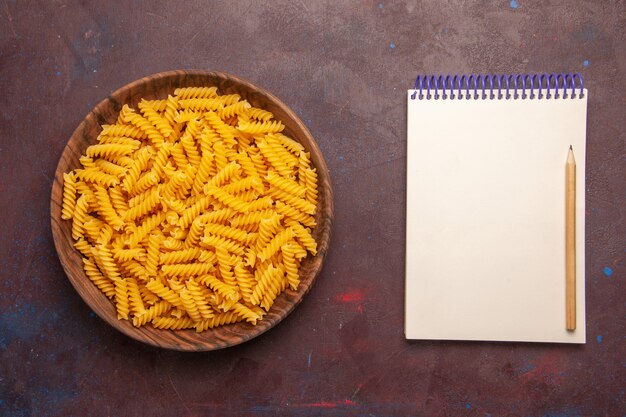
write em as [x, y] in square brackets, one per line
[570, 147]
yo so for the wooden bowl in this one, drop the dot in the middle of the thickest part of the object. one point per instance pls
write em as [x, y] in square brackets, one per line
[158, 86]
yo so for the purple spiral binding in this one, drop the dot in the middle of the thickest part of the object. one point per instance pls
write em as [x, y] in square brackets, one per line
[499, 86]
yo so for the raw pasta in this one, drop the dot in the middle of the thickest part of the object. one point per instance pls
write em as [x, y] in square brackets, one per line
[194, 211]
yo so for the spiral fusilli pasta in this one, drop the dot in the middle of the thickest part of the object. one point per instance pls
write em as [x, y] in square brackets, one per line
[69, 195]
[193, 211]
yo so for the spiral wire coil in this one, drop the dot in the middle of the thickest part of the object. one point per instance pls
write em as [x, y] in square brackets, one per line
[516, 86]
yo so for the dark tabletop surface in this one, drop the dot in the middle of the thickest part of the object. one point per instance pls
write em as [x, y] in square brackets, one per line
[344, 68]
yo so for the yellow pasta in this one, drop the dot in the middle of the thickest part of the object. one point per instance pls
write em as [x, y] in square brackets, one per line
[195, 92]
[205, 170]
[233, 109]
[259, 114]
[152, 258]
[251, 218]
[262, 203]
[155, 118]
[152, 200]
[266, 281]
[219, 320]
[289, 212]
[171, 108]
[84, 247]
[303, 236]
[69, 195]
[225, 304]
[106, 263]
[274, 245]
[174, 206]
[195, 233]
[135, 269]
[173, 244]
[142, 158]
[226, 231]
[95, 176]
[277, 285]
[164, 292]
[140, 198]
[122, 131]
[218, 216]
[106, 233]
[173, 323]
[219, 153]
[207, 256]
[287, 143]
[245, 281]
[121, 299]
[227, 199]
[148, 296]
[275, 161]
[287, 185]
[145, 182]
[254, 128]
[181, 256]
[158, 105]
[110, 168]
[128, 115]
[225, 131]
[93, 273]
[123, 255]
[186, 116]
[212, 242]
[186, 270]
[161, 159]
[92, 227]
[119, 201]
[291, 200]
[157, 310]
[219, 286]
[144, 228]
[242, 185]
[173, 184]
[225, 266]
[106, 210]
[200, 104]
[200, 300]
[193, 211]
[183, 191]
[246, 313]
[122, 160]
[80, 216]
[134, 295]
[291, 266]
[311, 185]
[279, 148]
[177, 312]
[109, 149]
[190, 305]
[222, 176]
[304, 163]
[189, 143]
[267, 228]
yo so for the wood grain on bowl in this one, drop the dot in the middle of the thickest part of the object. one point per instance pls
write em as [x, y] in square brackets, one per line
[158, 86]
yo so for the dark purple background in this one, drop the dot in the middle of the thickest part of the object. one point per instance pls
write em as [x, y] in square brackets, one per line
[344, 68]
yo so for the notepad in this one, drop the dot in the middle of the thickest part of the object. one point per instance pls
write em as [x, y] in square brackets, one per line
[485, 220]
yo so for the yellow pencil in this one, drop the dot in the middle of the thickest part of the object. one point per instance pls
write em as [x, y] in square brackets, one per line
[570, 240]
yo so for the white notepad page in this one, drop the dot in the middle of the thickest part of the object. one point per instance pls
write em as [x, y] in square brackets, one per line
[485, 222]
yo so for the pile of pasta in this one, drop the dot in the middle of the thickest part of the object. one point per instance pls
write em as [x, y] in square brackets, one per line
[194, 211]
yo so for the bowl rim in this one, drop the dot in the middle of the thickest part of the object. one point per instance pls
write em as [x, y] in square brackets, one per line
[136, 333]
